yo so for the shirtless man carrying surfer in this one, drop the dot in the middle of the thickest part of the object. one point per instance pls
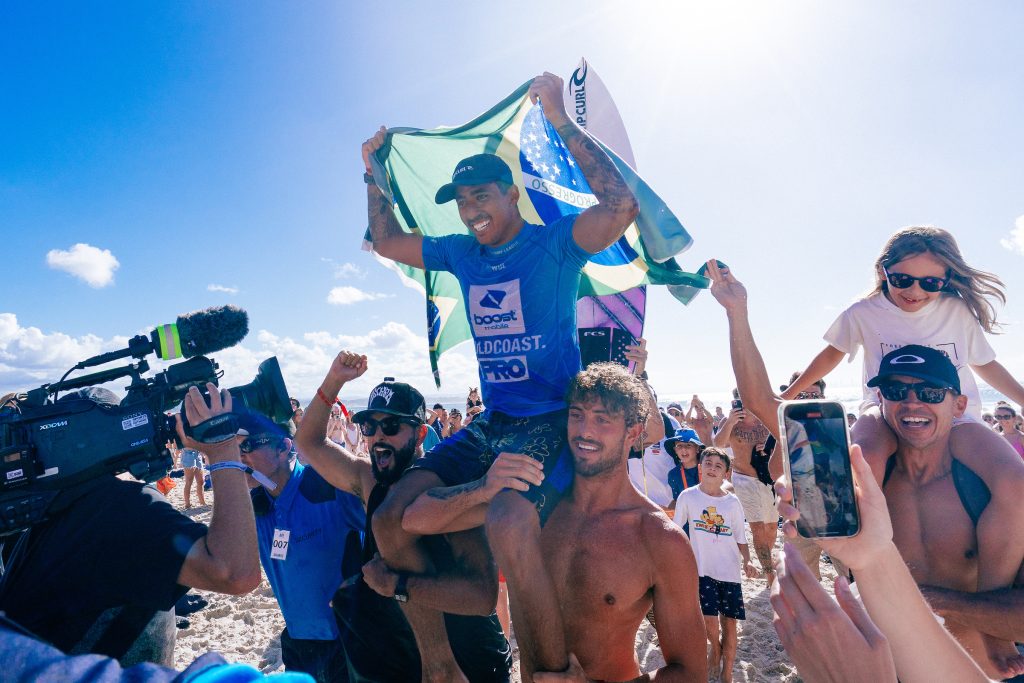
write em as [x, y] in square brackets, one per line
[611, 552]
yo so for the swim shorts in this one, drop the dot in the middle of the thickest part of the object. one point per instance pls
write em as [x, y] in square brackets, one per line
[191, 458]
[757, 499]
[466, 455]
[721, 597]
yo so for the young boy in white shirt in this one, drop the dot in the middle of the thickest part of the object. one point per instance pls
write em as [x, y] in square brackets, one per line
[719, 541]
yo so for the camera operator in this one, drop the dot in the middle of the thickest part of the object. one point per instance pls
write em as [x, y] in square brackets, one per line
[102, 574]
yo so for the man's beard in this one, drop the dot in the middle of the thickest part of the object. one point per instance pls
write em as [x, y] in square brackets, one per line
[401, 459]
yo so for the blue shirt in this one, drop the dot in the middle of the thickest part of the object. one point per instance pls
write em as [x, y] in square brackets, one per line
[319, 518]
[521, 302]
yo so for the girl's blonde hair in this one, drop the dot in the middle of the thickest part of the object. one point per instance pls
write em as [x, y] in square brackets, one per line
[976, 287]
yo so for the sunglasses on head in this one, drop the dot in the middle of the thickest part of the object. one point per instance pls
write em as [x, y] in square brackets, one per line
[389, 426]
[251, 444]
[903, 281]
[926, 393]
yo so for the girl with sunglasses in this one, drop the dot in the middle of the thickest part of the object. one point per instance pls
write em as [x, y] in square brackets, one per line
[924, 293]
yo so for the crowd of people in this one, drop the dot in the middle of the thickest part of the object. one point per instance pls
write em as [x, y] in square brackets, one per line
[407, 544]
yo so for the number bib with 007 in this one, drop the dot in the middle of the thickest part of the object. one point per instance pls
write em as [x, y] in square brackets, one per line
[279, 549]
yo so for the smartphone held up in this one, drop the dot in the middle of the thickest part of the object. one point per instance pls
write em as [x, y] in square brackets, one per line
[816, 457]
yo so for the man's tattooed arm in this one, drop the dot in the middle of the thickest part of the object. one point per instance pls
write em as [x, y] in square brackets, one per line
[450, 492]
[389, 239]
[447, 509]
[600, 171]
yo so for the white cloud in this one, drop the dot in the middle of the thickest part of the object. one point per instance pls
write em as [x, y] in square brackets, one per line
[343, 271]
[30, 357]
[222, 288]
[344, 296]
[1015, 241]
[88, 263]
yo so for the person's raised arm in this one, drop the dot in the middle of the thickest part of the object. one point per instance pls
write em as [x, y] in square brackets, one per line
[389, 239]
[702, 421]
[599, 226]
[339, 467]
[751, 376]
[822, 364]
[226, 559]
[999, 378]
[722, 437]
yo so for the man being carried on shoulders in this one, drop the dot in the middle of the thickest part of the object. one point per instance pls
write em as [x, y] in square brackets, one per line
[520, 283]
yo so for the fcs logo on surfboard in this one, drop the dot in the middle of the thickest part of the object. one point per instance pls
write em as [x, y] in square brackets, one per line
[496, 309]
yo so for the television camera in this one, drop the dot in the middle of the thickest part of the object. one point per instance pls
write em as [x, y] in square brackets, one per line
[49, 445]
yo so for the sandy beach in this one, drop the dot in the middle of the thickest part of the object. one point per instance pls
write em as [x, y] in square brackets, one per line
[246, 628]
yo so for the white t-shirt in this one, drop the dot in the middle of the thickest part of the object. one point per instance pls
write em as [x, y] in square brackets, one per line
[716, 529]
[946, 324]
[650, 475]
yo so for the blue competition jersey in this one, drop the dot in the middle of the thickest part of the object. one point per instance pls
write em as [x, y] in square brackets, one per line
[319, 519]
[521, 302]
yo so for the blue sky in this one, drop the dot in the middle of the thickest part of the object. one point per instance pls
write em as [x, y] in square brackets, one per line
[217, 144]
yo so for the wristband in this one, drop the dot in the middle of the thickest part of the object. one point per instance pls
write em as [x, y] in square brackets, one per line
[217, 429]
[235, 465]
[323, 397]
[401, 591]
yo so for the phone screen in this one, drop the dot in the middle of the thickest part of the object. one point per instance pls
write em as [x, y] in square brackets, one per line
[818, 464]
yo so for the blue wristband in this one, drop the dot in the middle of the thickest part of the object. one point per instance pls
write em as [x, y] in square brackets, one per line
[235, 465]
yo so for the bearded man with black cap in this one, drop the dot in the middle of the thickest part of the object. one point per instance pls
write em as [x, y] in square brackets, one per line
[461, 580]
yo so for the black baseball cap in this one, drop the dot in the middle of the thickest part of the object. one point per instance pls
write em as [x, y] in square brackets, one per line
[478, 169]
[394, 398]
[921, 362]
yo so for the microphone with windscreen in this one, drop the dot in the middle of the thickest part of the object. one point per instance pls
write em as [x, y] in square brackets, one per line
[192, 334]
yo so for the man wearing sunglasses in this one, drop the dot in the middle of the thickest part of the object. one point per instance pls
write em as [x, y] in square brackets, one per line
[457, 576]
[937, 505]
[309, 534]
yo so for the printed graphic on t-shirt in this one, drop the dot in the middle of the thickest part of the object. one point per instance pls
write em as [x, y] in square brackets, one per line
[712, 522]
[496, 309]
[948, 348]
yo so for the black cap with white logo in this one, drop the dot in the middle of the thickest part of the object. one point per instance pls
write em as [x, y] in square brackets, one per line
[921, 362]
[478, 169]
[394, 398]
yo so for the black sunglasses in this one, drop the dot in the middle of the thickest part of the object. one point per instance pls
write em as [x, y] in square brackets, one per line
[903, 281]
[926, 393]
[1004, 417]
[249, 445]
[389, 425]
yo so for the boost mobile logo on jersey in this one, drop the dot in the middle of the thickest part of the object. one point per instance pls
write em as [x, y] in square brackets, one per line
[510, 369]
[496, 309]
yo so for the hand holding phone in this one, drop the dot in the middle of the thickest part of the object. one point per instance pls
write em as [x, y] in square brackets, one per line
[816, 457]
